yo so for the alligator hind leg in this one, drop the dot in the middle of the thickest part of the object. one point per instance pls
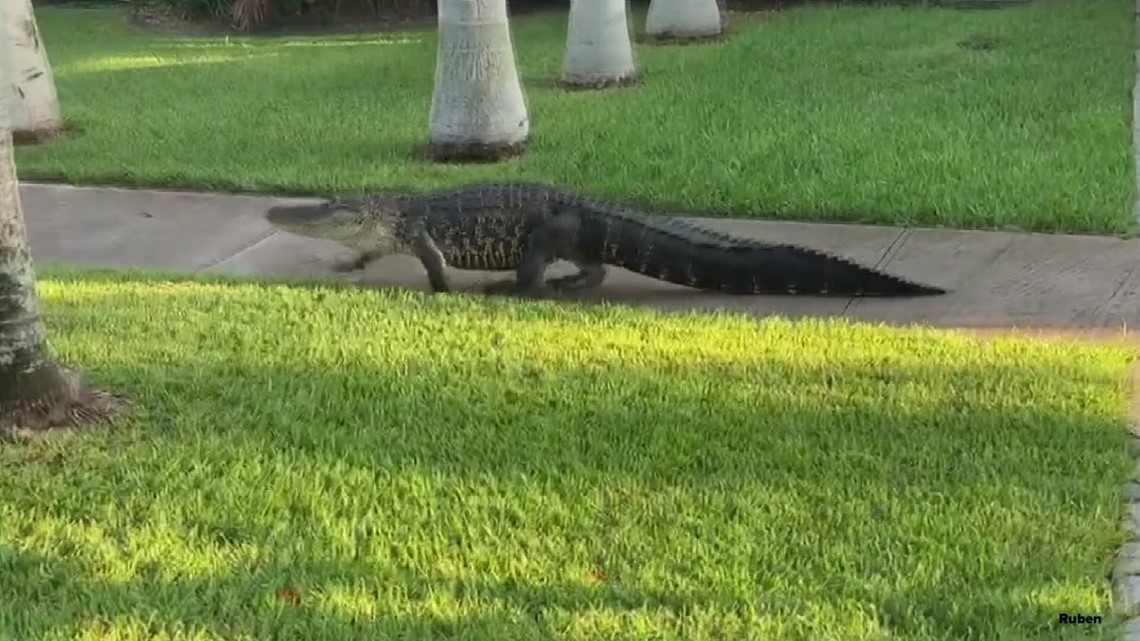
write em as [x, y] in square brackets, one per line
[550, 241]
[589, 275]
[528, 277]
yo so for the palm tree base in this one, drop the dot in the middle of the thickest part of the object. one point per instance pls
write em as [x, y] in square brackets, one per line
[475, 152]
[666, 39]
[36, 136]
[53, 398]
[594, 84]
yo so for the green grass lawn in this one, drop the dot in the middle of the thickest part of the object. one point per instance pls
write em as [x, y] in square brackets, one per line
[852, 113]
[333, 464]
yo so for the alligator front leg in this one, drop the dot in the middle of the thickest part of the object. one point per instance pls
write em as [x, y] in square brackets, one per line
[433, 261]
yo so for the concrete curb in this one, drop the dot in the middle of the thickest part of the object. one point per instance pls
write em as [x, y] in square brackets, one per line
[1126, 569]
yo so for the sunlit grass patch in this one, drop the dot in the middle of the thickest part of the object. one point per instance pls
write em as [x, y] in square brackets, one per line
[330, 463]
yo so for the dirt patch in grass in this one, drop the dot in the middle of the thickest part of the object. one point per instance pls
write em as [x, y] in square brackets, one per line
[68, 131]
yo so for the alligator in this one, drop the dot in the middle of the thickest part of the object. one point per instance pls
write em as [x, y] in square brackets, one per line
[524, 227]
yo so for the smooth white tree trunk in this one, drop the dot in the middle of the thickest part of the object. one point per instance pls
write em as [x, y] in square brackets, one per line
[33, 104]
[27, 373]
[477, 105]
[683, 19]
[21, 335]
[598, 48]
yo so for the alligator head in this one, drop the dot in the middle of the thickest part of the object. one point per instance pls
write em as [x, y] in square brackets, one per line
[365, 223]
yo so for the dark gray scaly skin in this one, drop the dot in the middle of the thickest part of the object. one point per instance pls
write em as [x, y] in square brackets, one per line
[526, 227]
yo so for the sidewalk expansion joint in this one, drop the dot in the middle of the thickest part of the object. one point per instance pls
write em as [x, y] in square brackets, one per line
[243, 248]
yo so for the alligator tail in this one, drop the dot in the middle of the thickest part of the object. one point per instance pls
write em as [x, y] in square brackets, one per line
[716, 262]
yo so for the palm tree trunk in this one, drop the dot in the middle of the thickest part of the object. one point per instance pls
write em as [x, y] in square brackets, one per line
[599, 53]
[34, 105]
[681, 20]
[36, 393]
[27, 373]
[477, 106]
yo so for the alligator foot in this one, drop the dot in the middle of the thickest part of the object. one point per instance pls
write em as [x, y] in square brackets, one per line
[588, 276]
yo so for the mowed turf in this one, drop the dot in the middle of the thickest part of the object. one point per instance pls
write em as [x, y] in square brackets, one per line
[331, 464]
[1016, 117]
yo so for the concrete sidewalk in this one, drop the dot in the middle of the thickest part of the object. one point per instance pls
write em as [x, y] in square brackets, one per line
[998, 280]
